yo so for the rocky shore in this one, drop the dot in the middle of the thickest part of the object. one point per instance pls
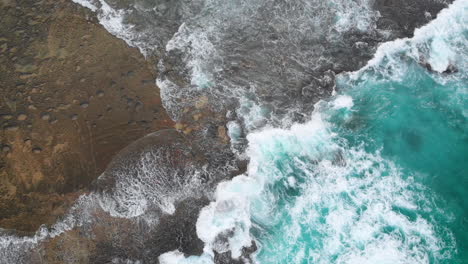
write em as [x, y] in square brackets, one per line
[73, 96]
[77, 103]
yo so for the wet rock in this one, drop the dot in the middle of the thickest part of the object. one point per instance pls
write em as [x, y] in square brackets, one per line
[11, 128]
[222, 134]
[361, 45]
[62, 106]
[7, 117]
[327, 81]
[145, 82]
[201, 102]
[178, 231]
[129, 101]
[22, 117]
[451, 69]
[100, 93]
[171, 156]
[45, 116]
[403, 17]
[6, 148]
[138, 106]
[320, 87]
[48, 69]
[37, 150]
[102, 56]
[312, 90]
[225, 258]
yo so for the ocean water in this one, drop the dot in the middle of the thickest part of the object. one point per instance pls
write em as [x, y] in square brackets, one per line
[378, 174]
[383, 179]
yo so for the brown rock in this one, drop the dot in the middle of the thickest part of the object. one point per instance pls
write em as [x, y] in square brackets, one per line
[66, 68]
[222, 134]
[6, 149]
[22, 117]
[7, 117]
[11, 128]
[100, 93]
[45, 116]
[37, 150]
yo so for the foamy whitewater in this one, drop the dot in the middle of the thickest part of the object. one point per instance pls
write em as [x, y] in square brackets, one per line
[375, 173]
[335, 190]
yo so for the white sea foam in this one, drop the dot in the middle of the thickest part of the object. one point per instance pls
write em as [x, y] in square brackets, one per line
[222, 52]
[230, 215]
[225, 224]
[113, 21]
[151, 181]
[354, 15]
[343, 101]
[87, 4]
[234, 130]
[199, 53]
[358, 210]
[143, 189]
[18, 249]
[360, 192]
[440, 43]
[253, 114]
[176, 257]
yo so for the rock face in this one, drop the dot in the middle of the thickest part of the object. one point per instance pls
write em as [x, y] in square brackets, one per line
[109, 239]
[403, 17]
[72, 97]
[107, 224]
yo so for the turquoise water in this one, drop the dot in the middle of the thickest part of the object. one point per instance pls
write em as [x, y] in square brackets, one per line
[419, 123]
[383, 181]
[378, 175]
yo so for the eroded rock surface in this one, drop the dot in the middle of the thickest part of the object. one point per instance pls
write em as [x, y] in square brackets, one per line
[403, 17]
[128, 216]
[72, 96]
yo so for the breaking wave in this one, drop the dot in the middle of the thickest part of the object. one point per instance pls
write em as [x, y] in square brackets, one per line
[358, 183]
[362, 176]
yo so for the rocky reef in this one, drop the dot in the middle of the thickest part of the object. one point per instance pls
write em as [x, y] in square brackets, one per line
[72, 97]
[78, 103]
